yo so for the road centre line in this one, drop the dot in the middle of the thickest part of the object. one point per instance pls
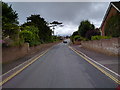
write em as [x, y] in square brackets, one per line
[107, 74]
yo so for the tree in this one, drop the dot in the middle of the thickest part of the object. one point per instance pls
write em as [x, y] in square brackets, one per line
[44, 33]
[10, 30]
[54, 24]
[75, 33]
[9, 20]
[84, 27]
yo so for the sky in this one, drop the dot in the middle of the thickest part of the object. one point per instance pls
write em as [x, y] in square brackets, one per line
[69, 13]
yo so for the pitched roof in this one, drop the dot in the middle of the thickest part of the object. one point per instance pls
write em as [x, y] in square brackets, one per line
[116, 5]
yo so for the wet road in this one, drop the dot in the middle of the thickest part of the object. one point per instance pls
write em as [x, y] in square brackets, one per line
[60, 67]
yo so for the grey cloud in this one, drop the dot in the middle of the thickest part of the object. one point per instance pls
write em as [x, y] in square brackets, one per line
[66, 12]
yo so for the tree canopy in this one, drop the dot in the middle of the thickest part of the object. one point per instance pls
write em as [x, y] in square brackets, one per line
[44, 31]
[84, 27]
[35, 31]
[9, 20]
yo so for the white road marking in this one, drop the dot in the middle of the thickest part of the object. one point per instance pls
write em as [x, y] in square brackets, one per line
[99, 63]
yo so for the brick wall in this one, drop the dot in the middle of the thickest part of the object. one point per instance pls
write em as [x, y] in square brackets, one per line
[112, 12]
[106, 46]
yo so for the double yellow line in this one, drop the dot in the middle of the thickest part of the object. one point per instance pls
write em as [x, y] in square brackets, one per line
[17, 72]
[100, 69]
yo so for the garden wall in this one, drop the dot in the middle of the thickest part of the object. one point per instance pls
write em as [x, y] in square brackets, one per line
[106, 46]
[14, 53]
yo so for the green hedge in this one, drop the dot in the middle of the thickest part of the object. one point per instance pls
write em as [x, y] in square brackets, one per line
[100, 37]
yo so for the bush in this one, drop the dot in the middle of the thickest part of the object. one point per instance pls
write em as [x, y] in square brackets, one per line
[26, 35]
[77, 37]
[18, 42]
[97, 37]
[91, 33]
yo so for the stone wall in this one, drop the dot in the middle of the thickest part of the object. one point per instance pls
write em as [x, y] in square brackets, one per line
[13, 53]
[106, 46]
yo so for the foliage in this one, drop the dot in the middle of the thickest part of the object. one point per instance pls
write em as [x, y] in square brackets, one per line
[55, 38]
[27, 36]
[8, 15]
[18, 42]
[91, 33]
[54, 24]
[75, 33]
[9, 20]
[44, 31]
[112, 27]
[97, 37]
[84, 27]
[77, 37]
[35, 31]
[10, 30]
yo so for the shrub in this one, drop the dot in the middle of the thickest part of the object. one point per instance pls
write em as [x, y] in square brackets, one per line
[97, 37]
[91, 33]
[26, 35]
[77, 37]
[18, 42]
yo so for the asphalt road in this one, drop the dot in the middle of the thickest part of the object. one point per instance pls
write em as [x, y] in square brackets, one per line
[60, 68]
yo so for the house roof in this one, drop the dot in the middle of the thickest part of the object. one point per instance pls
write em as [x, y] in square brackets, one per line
[116, 5]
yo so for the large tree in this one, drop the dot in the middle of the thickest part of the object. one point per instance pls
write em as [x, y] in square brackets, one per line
[54, 24]
[9, 20]
[84, 27]
[45, 33]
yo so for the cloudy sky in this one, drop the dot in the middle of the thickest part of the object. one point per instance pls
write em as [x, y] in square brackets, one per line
[69, 13]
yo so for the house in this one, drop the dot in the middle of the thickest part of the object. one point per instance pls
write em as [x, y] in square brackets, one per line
[113, 9]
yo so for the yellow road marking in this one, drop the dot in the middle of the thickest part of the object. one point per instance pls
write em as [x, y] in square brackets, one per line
[107, 74]
[17, 72]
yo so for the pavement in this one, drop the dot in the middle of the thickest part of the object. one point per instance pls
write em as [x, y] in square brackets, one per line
[60, 67]
[110, 62]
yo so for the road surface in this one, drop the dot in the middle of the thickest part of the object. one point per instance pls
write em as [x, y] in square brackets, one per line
[60, 67]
